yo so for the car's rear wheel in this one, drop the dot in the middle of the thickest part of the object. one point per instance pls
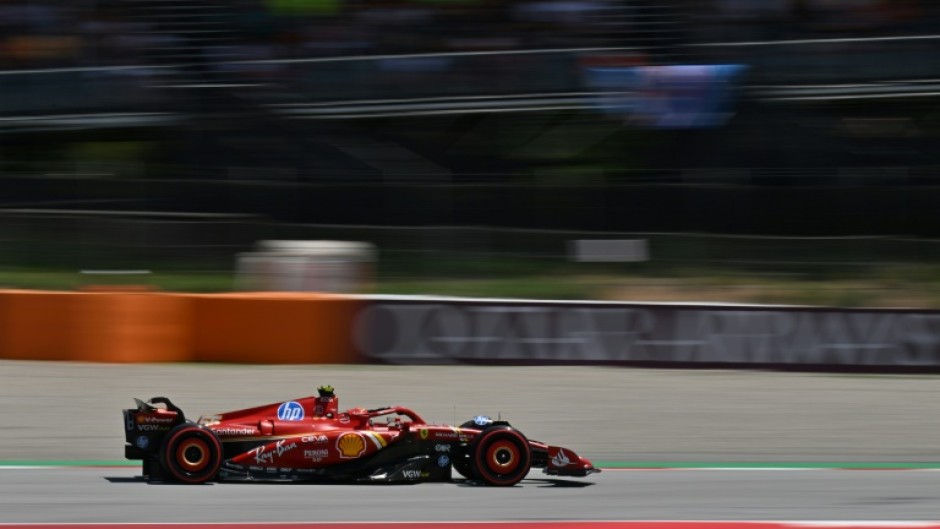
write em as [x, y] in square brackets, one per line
[500, 456]
[191, 454]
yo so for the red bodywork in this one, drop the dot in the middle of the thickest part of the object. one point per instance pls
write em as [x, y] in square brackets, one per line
[308, 438]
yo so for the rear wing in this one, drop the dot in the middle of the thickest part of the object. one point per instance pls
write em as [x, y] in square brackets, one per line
[149, 406]
[147, 424]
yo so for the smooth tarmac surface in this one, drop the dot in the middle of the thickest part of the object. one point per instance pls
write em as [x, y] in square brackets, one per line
[115, 495]
[72, 411]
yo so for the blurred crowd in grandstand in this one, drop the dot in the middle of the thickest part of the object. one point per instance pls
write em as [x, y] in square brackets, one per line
[457, 91]
[100, 32]
[562, 114]
[66, 33]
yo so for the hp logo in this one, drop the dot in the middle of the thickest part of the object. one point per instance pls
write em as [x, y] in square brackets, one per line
[290, 411]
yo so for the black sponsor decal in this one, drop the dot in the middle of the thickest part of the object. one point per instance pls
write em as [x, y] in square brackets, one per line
[152, 428]
[152, 419]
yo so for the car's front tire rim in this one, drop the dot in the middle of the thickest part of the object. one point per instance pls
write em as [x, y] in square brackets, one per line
[502, 457]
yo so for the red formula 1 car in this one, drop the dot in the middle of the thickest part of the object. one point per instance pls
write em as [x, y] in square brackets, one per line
[308, 439]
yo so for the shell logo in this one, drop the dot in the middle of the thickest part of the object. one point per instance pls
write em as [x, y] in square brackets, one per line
[350, 445]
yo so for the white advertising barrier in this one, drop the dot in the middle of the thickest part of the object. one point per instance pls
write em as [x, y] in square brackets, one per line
[453, 330]
[306, 266]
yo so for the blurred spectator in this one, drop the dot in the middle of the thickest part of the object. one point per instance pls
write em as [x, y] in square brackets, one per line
[37, 33]
[744, 20]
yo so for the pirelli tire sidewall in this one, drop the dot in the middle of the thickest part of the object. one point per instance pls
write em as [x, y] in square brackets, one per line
[191, 453]
[500, 456]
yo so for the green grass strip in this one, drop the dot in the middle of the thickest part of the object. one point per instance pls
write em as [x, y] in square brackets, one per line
[599, 464]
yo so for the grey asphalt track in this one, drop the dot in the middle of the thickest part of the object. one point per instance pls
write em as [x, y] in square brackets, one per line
[115, 495]
[71, 411]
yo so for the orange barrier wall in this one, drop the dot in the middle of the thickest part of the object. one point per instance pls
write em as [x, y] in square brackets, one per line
[36, 325]
[274, 329]
[131, 327]
[163, 327]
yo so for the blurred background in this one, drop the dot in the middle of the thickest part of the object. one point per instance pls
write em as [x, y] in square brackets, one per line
[777, 151]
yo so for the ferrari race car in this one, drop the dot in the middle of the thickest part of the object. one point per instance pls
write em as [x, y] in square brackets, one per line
[308, 439]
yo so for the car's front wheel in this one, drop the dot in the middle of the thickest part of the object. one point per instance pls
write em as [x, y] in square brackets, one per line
[464, 466]
[191, 454]
[500, 456]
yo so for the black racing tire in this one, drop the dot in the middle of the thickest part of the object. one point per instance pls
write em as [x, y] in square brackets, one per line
[191, 454]
[463, 466]
[463, 460]
[500, 456]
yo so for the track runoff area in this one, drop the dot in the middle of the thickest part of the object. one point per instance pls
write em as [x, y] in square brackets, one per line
[627, 495]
